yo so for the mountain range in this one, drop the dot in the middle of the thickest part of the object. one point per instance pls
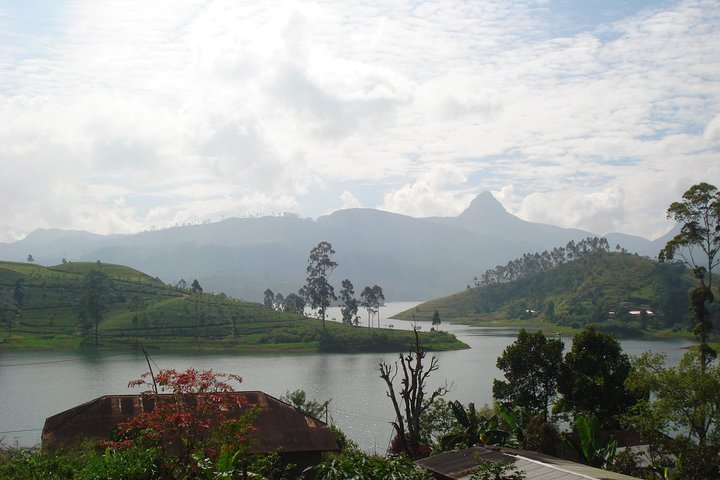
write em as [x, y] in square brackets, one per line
[410, 258]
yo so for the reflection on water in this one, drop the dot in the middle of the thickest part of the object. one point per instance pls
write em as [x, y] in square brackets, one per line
[35, 385]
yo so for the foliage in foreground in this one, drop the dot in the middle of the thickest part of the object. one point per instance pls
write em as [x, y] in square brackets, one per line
[87, 463]
[198, 420]
[132, 463]
[680, 414]
[353, 464]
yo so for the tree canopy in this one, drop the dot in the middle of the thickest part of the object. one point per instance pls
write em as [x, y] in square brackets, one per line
[317, 288]
[697, 245]
[679, 413]
[531, 366]
[592, 378]
[349, 306]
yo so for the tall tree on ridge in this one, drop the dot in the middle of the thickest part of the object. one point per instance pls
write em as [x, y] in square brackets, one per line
[317, 288]
[368, 302]
[294, 303]
[268, 299]
[197, 291]
[349, 306]
[379, 301]
[699, 214]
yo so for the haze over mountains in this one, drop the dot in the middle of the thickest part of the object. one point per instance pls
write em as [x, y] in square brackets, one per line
[411, 258]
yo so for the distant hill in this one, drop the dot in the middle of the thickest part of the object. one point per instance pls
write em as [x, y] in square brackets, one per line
[610, 289]
[411, 258]
[143, 311]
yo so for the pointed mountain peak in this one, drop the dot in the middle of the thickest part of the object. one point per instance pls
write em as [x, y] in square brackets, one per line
[486, 206]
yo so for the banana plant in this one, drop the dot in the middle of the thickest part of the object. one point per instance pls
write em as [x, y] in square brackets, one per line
[589, 447]
[473, 428]
[515, 421]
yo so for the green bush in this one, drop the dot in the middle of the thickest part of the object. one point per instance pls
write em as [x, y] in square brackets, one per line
[133, 463]
[32, 464]
[85, 463]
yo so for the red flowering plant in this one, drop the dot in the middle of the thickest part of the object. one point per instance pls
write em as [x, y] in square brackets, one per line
[189, 415]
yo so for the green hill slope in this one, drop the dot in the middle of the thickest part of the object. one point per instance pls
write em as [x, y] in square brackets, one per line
[610, 289]
[143, 311]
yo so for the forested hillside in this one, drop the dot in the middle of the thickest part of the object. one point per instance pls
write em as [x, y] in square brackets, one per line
[618, 291]
[104, 305]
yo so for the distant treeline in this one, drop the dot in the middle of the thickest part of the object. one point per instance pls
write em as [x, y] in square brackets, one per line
[533, 263]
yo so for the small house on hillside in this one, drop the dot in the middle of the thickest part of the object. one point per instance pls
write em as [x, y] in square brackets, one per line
[278, 427]
[460, 465]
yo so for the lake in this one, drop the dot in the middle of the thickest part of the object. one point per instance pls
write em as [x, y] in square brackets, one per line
[35, 385]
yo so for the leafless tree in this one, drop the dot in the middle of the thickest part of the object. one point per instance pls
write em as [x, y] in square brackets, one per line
[412, 400]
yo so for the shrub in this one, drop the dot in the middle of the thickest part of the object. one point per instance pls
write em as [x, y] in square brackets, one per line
[199, 419]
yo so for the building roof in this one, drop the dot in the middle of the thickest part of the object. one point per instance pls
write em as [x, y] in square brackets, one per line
[460, 464]
[277, 425]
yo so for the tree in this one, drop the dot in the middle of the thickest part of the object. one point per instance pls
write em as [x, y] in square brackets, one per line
[412, 400]
[93, 302]
[699, 216]
[279, 302]
[294, 303]
[371, 299]
[320, 266]
[437, 421]
[182, 284]
[436, 320]
[269, 299]
[531, 366]
[30, 258]
[592, 378]
[299, 400]
[379, 301]
[197, 291]
[368, 302]
[349, 307]
[679, 413]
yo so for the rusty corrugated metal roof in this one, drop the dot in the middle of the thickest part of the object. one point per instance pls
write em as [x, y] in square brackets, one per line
[277, 425]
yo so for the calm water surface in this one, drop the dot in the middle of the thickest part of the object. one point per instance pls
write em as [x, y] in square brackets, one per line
[35, 385]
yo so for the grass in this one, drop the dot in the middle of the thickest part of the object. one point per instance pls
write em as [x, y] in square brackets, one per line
[144, 311]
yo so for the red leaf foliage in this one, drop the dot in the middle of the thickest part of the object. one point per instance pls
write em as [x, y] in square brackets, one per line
[194, 411]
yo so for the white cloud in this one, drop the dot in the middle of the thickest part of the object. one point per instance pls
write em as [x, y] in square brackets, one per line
[348, 200]
[201, 109]
[599, 212]
[434, 193]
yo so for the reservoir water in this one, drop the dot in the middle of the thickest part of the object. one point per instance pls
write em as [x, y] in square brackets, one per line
[35, 385]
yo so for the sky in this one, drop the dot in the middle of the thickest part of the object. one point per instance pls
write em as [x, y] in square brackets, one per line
[126, 116]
